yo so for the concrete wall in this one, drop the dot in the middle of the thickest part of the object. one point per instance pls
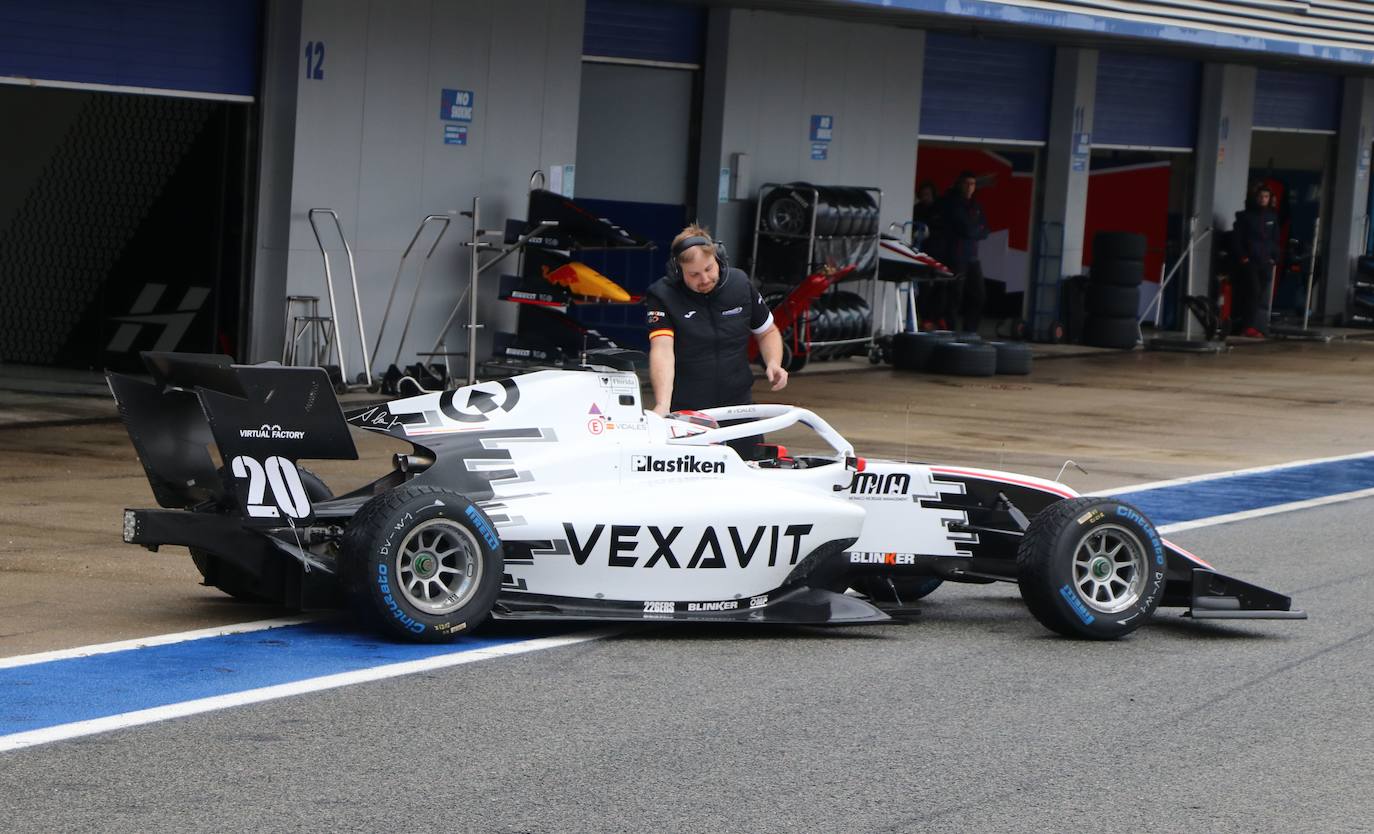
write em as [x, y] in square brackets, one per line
[634, 133]
[368, 143]
[768, 73]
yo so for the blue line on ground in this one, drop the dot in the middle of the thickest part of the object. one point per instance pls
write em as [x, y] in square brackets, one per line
[1254, 491]
[78, 689]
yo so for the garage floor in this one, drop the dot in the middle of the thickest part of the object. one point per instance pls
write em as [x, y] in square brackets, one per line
[67, 469]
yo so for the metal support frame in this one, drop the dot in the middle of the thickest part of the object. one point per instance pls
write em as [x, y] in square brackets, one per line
[333, 306]
[871, 338]
[1311, 271]
[1194, 238]
[476, 246]
[419, 282]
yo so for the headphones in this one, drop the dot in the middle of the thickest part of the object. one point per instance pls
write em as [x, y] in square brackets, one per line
[674, 268]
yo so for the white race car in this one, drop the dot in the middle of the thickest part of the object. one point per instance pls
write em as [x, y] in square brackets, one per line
[556, 495]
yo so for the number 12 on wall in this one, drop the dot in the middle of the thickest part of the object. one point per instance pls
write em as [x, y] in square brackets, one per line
[314, 60]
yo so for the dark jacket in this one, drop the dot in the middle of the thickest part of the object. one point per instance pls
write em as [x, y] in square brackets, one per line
[964, 226]
[711, 334]
[930, 215]
[1255, 235]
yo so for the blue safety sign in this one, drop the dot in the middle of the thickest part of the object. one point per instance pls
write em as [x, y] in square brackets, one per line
[821, 128]
[455, 134]
[456, 105]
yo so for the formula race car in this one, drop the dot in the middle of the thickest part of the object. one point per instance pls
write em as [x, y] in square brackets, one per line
[556, 496]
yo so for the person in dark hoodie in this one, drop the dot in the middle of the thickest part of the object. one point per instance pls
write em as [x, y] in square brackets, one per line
[1255, 242]
[701, 316]
[963, 226]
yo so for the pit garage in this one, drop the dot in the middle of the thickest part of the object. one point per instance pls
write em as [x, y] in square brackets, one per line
[126, 214]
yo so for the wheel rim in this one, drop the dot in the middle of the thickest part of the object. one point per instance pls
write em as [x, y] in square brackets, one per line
[440, 566]
[1109, 568]
[786, 216]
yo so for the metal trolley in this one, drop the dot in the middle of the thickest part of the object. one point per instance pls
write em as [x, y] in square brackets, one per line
[803, 230]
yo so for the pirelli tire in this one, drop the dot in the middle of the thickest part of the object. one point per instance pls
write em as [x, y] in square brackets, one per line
[268, 583]
[1111, 332]
[1013, 358]
[964, 359]
[896, 590]
[1118, 272]
[1113, 300]
[422, 563]
[1091, 568]
[1125, 245]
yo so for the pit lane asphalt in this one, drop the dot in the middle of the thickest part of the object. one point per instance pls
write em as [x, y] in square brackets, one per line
[972, 718]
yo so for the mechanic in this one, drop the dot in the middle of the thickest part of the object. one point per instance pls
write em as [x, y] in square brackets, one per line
[1255, 241]
[700, 316]
[964, 226]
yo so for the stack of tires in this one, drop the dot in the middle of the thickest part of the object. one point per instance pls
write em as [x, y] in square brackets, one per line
[1113, 298]
[958, 354]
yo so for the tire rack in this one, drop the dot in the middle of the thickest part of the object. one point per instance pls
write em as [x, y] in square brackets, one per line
[869, 277]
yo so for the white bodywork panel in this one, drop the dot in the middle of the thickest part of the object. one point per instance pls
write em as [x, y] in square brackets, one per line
[600, 499]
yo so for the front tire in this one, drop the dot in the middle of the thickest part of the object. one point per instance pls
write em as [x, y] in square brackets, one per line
[1091, 568]
[423, 563]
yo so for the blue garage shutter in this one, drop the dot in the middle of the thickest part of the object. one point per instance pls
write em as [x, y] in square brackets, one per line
[986, 89]
[1297, 101]
[644, 31]
[1145, 101]
[207, 47]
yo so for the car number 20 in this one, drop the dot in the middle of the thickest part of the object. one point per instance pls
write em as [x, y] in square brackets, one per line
[275, 473]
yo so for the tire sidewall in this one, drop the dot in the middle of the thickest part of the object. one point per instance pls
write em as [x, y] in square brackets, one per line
[377, 567]
[1052, 578]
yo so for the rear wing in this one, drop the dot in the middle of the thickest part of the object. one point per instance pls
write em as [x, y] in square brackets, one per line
[262, 419]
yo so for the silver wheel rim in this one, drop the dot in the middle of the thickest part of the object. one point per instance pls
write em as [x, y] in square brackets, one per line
[439, 565]
[1109, 568]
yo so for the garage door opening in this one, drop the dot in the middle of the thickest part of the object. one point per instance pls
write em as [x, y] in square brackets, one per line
[123, 223]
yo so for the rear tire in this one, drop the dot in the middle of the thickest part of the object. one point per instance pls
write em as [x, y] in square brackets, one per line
[423, 563]
[1091, 568]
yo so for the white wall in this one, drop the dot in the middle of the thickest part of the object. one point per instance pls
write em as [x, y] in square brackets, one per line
[370, 145]
[774, 72]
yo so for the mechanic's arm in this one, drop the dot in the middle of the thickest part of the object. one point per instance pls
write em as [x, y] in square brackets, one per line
[661, 371]
[770, 348]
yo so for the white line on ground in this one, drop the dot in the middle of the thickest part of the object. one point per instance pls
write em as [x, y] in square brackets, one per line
[158, 640]
[1212, 476]
[1263, 511]
[46, 735]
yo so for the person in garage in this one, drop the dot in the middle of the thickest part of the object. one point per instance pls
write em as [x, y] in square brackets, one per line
[964, 225]
[926, 213]
[1255, 241]
[701, 316]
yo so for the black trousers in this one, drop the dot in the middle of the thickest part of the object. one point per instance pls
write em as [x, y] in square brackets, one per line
[967, 296]
[1251, 288]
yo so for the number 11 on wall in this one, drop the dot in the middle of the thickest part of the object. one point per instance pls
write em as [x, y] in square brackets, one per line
[314, 60]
